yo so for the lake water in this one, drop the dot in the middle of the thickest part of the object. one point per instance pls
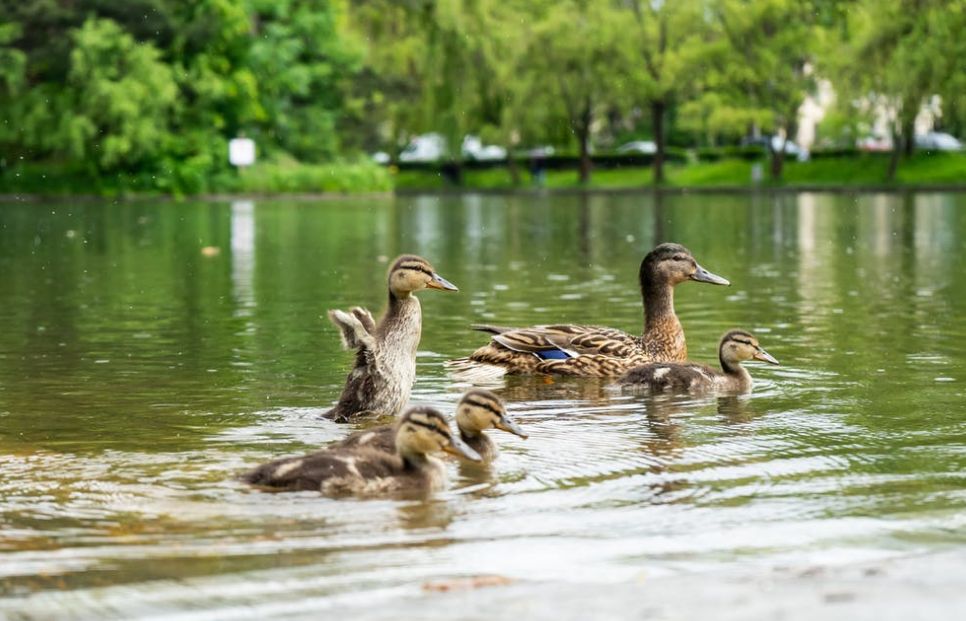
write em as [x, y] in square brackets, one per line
[151, 352]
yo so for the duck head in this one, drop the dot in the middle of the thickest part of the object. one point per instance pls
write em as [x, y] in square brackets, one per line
[672, 264]
[410, 273]
[737, 346]
[424, 430]
[480, 410]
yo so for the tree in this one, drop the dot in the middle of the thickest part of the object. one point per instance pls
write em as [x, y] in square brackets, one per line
[302, 62]
[770, 68]
[895, 55]
[572, 54]
[669, 40]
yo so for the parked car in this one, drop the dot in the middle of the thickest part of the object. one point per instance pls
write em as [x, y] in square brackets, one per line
[875, 144]
[474, 149]
[381, 157]
[424, 148]
[543, 150]
[938, 141]
[647, 147]
[776, 143]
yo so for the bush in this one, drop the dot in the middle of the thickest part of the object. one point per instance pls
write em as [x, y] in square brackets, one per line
[294, 177]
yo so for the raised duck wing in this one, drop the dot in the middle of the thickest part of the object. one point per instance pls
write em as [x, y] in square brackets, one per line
[355, 326]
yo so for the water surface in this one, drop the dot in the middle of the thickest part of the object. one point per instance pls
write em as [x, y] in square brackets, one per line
[149, 353]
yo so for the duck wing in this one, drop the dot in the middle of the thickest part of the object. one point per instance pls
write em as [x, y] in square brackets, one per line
[338, 469]
[568, 341]
[670, 377]
[357, 327]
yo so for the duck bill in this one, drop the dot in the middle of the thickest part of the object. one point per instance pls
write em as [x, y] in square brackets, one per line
[764, 356]
[703, 275]
[509, 425]
[461, 449]
[438, 282]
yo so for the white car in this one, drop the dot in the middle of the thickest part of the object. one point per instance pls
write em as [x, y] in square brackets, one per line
[875, 144]
[646, 147]
[474, 149]
[424, 148]
[938, 141]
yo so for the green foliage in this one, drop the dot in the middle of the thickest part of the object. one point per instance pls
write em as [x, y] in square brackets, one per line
[151, 90]
[122, 98]
[144, 95]
[291, 177]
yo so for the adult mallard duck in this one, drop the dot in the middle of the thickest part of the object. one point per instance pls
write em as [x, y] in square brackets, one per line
[735, 347]
[477, 411]
[364, 470]
[595, 351]
[385, 366]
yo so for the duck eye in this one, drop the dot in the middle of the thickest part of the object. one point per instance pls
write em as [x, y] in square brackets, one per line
[679, 257]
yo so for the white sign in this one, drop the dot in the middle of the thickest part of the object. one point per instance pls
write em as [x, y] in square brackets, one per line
[241, 151]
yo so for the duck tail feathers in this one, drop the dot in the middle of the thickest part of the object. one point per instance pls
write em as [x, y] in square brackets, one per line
[482, 327]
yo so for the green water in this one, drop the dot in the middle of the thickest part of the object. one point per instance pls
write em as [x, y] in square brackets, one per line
[139, 376]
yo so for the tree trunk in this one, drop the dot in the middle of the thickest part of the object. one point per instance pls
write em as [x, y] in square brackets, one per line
[909, 136]
[893, 157]
[513, 167]
[584, 158]
[583, 136]
[657, 122]
[777, 161]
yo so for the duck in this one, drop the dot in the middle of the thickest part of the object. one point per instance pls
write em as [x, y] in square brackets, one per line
[735, 347]
[477, 411]
[364, 470]
[595, 351]
[385, 366]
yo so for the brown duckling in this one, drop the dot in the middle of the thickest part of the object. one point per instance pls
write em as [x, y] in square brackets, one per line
[594, 351]
[363, 470]
[735, 347]
[385, 367]
[477, 411]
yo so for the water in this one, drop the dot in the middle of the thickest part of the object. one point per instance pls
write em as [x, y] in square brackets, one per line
[140, 373]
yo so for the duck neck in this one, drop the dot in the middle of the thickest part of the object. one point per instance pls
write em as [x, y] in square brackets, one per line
[736, 373]
[413, 460]
[658, 306]
[404, 314]
[478, 441]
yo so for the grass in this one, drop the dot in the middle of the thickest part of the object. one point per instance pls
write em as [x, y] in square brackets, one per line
[287, 176]
[267, 177]
[860, 170]
[294, 177]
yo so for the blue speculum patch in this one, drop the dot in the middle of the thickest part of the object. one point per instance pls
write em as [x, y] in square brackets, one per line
[553, 354]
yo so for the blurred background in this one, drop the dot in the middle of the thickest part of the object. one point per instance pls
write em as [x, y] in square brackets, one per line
[106, 97]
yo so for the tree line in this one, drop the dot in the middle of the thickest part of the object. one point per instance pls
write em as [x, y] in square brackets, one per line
[157, 87]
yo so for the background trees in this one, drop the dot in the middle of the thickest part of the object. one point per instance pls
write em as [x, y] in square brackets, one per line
[156, 88]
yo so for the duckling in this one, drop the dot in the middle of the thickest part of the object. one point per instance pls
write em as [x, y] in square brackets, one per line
[364, 470]
[385, 367]
[594, 351]
[735, 347]
[477, 411]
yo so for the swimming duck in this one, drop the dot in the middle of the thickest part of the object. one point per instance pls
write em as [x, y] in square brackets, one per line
[735, 347]
[594, 351]
[477, 411]
[363, 470]
[385, 366]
